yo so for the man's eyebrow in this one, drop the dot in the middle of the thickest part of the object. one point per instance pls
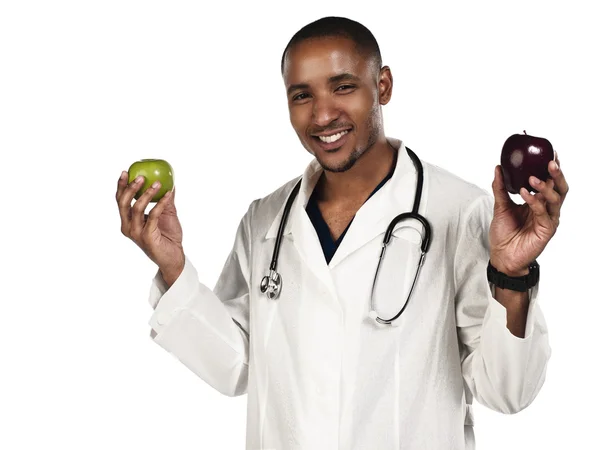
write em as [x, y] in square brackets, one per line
[332, 80]
[343, 77]
[295, 87]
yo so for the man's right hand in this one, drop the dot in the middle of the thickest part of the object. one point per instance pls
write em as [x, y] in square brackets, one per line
[158, 233]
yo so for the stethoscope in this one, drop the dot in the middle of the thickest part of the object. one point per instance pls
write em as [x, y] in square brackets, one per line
[271, 284]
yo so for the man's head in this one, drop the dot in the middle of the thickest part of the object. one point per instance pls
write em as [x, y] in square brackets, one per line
[335, 84]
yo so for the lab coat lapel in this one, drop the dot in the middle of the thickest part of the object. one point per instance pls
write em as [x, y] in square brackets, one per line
[300, 229]
[303, 232]
[372, 219]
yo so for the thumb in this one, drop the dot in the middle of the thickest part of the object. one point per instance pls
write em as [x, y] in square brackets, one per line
[501, 197]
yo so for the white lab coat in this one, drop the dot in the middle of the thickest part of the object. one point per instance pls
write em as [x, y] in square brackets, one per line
[319, 373]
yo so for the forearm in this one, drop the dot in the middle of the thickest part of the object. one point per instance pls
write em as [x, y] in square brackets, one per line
[506, 372]
[516, 303]
[509, 362]
[207, 335]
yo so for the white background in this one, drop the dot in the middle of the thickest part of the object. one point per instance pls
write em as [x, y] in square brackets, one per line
[87, 88]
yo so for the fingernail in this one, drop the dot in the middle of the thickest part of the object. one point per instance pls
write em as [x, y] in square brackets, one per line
[138, 179]
[155, 184]
[534, 180]
[554, 166]
[123, 175]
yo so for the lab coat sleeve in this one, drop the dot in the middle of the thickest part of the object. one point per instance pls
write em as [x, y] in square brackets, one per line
[208, 330]
[503, 372]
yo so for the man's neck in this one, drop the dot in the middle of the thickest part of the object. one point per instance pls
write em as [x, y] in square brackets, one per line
[358, 182]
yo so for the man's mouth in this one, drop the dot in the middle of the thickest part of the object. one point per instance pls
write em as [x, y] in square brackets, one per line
[333, 141]
[333, 137]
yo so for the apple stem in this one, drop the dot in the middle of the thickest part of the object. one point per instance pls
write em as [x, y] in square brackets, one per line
[524, 131]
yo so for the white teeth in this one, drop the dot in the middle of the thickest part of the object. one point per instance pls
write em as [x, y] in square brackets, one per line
[335, 137]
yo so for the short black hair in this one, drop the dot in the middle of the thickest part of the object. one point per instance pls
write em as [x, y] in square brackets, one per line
[338, 27]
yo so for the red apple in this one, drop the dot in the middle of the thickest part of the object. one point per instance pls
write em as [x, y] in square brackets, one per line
[523, 156]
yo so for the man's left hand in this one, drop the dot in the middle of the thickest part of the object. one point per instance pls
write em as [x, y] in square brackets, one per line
[519, 233]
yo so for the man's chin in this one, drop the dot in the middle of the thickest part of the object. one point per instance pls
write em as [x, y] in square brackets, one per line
[335, 162]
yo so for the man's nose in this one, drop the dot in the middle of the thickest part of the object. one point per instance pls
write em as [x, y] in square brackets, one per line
[324, 112]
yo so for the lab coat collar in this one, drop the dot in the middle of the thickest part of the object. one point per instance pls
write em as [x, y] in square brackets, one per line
[371, 220]
[308, 182]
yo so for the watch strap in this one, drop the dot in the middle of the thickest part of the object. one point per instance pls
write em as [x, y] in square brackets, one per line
[520, 284]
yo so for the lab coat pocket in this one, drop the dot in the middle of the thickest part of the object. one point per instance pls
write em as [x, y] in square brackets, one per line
[410, 230]
[398, 269]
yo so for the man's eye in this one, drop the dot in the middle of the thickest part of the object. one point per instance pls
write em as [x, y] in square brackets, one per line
[300, 96]
[345, 87]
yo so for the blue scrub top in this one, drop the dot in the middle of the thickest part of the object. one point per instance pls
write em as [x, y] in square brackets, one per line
[328, 245]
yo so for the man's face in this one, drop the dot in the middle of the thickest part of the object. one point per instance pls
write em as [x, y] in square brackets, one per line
[334, 97]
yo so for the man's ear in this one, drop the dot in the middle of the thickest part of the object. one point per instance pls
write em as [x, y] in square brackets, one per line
[385, 85]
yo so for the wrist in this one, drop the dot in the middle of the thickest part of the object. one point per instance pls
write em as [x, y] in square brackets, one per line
[170, 274]
[519, 283]
[509, 271]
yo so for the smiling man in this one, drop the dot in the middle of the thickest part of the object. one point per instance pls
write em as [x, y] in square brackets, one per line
[307, 319]
[335, 87]
[320, 73]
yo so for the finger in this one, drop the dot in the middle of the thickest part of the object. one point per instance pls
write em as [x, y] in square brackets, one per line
[152, 223]
[170, 198]
[538, 208]
[124, 198]
[137, 220]
[558, 176]
[121, 185]
[501, 197]
[552, 198]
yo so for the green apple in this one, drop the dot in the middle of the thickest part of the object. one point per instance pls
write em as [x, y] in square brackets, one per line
[152, 170]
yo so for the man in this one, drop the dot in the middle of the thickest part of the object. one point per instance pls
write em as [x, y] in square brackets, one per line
[319, 373]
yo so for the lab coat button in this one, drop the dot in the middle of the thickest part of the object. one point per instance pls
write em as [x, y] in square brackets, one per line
[162, 318]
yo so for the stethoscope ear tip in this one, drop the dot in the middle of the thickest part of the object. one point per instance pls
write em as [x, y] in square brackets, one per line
[373, 314]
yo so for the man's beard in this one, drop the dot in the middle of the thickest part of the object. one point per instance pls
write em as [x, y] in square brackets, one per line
[358, 151]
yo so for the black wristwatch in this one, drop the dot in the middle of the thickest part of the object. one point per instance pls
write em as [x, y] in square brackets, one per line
[520, 284]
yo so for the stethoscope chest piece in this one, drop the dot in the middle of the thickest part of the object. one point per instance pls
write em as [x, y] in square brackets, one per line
[271, 285]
